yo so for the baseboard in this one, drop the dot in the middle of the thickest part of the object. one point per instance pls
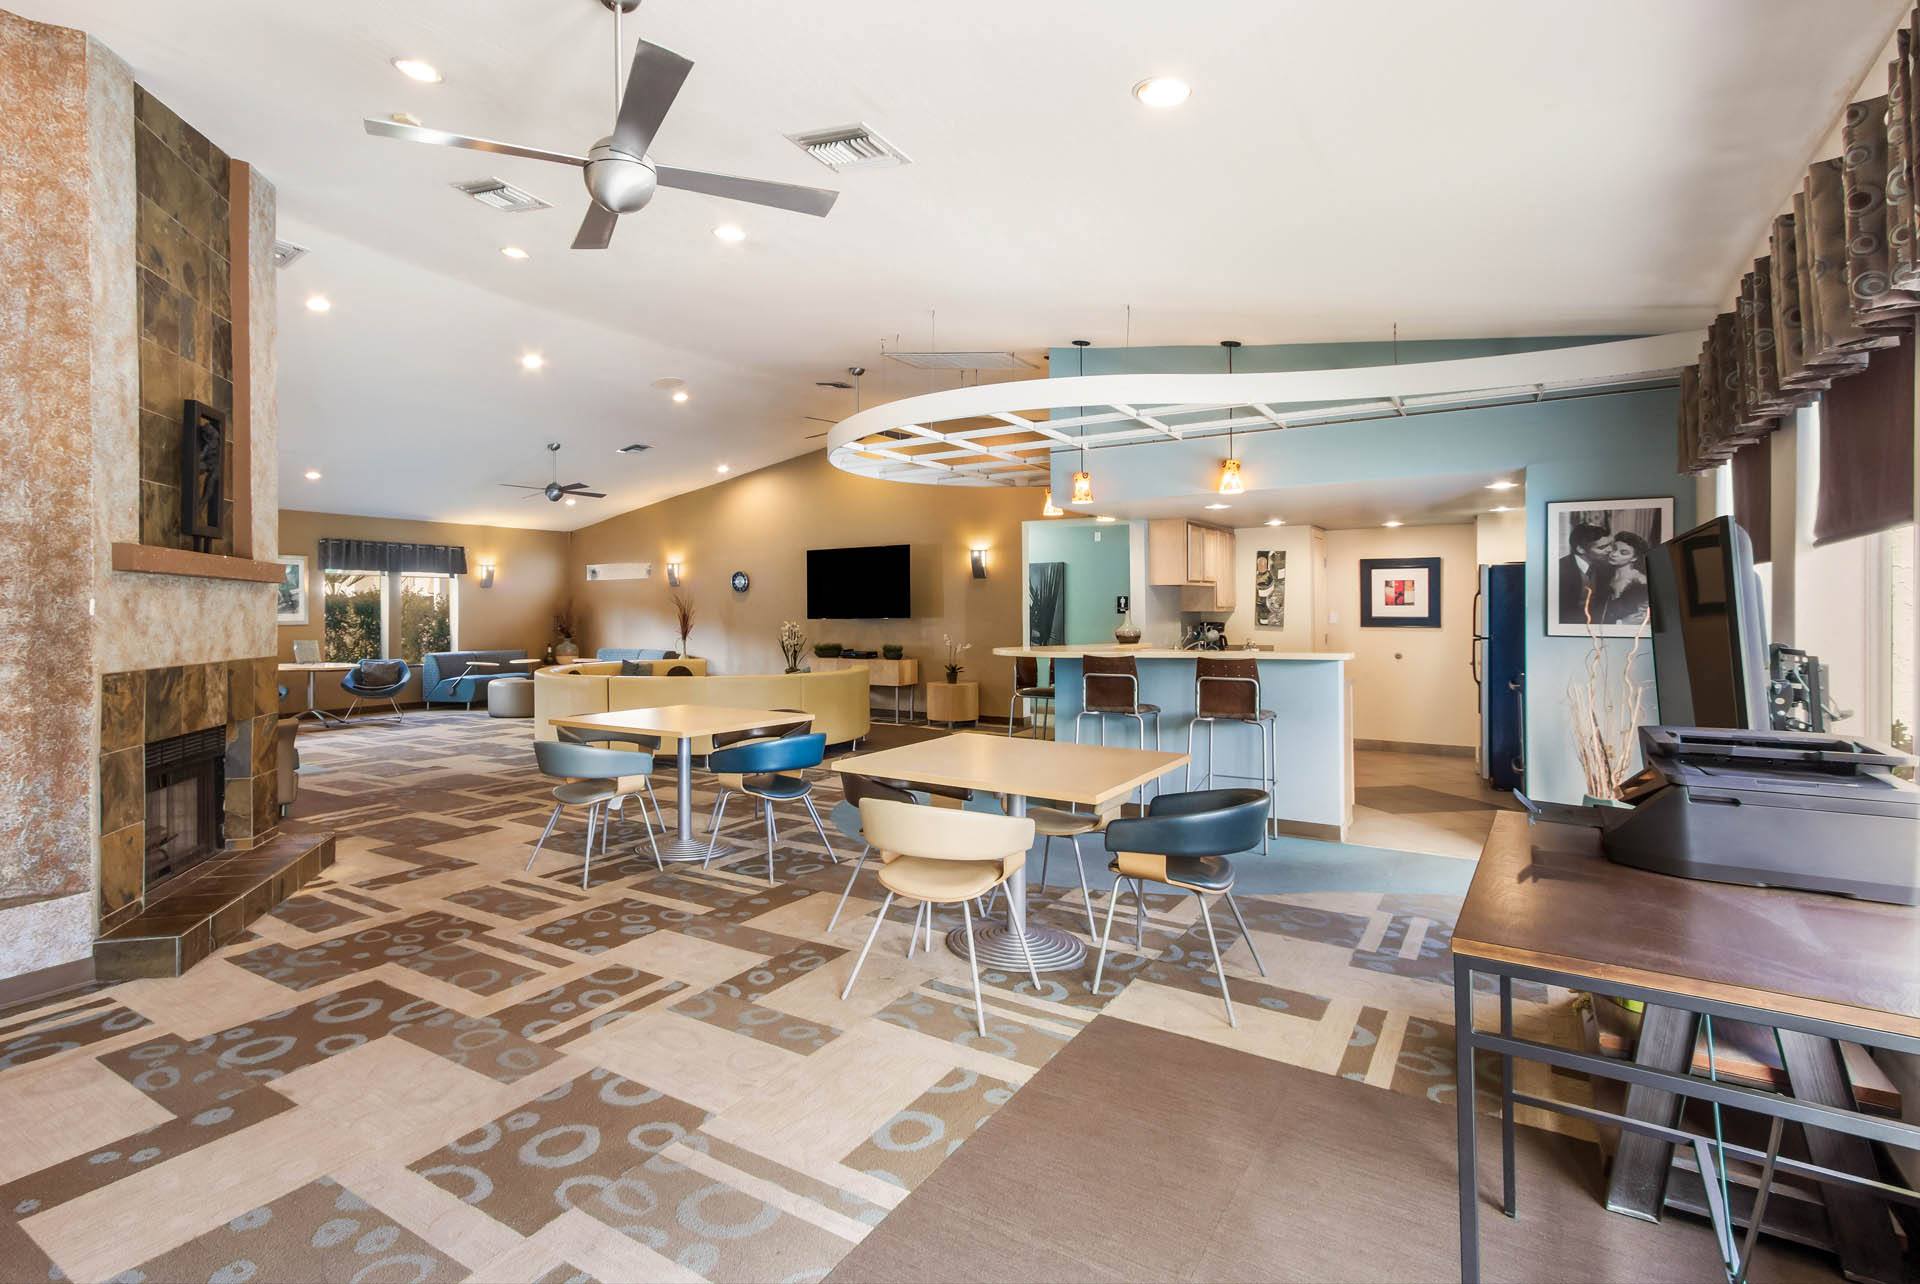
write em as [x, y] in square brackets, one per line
[1411, 746]
[46, 983]
[1308, 829]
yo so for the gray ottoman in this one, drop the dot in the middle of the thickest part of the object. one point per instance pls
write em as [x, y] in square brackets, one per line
[510, 698]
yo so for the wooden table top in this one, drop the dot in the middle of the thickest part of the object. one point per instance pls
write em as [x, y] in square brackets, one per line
[1544, 896]
[676, 720]
[315, 666]
[1075, 773]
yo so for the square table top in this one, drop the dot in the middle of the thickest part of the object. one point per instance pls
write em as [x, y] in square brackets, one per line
[677, 720]
[1545, 896]
[314, 666]
[1054, 769]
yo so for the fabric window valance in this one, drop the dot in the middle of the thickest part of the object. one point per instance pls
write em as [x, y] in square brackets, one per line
[1866, 450]
[392, 556]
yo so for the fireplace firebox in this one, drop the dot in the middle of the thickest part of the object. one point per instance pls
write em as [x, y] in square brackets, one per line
[186, 804]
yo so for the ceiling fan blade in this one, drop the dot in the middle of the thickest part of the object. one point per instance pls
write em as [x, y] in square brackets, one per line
[518, 486]
[652, 86]
[781, 196]
[439, 137]
[591, 494]
[596, 229]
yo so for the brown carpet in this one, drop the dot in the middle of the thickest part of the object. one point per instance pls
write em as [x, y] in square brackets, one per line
[1141, 1155]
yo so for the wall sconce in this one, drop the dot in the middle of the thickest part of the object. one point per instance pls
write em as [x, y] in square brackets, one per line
[673, 574]
[980, 562]
[486, 575]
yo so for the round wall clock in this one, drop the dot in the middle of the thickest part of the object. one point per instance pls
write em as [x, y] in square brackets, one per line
[740, 581]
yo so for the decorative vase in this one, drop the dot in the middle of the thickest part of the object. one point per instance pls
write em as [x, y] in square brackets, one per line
[566, 651]
[1128, 633]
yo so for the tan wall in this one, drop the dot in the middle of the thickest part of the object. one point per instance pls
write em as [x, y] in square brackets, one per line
[763, 523]
[1409, 685]
[529, 578]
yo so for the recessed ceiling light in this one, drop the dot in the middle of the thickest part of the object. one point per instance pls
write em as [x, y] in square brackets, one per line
[681, 395]
[313, 474]
[1104, 518]
[513, 251]
[1162, 91]
[1219, 506]
[731, 233]
[722, 469]
[404, 118]
[1276, 521]
[418, 69]
[1502, 485]
[532, 361]
[571, 501]
[1395, 522]
[319, 303]
[1500, 508]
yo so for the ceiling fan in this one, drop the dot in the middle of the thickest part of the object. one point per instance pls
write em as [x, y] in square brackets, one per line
[842, 385]
[553, 490]
[620, 177]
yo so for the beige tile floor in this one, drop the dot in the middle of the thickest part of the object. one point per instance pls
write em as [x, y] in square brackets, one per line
[439, 1066]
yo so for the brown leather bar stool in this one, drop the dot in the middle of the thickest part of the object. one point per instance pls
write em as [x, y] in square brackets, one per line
[1229, 691]
[1110, 688]
[1026, 686]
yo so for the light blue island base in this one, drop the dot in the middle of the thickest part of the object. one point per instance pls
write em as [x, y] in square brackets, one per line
[1307, 691]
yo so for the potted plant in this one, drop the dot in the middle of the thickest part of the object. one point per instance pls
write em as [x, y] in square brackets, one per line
[565, 649]
[683, 617]
[955, 650]
[827, 650]
[792, 642]
[893, 651]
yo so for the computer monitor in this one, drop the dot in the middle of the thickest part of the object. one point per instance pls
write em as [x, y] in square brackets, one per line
[1709, 638]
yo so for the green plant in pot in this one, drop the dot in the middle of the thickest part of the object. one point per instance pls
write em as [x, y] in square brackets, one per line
[955, 651]
[893, 651]
[827, 650]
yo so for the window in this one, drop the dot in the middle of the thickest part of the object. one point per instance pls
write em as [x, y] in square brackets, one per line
[1902, 638]
[355, 609]
[426, 616]
[371, 614]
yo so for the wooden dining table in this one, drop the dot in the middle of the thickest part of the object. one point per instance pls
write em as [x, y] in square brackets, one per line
[684, 723]
[1018, 769]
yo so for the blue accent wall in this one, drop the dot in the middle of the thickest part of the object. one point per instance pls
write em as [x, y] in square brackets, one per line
[1098, 571]
[1606, 446]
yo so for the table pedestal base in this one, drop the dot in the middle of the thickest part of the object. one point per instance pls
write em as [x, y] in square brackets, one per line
[997, 946]
[689, 849]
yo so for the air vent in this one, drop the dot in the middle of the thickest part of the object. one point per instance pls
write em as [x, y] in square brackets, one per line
[635, 448]
[850, 147]
[499, 195]
[285, 253]
[960, 360]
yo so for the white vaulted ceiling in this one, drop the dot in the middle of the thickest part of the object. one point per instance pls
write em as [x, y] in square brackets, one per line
[1497, 168]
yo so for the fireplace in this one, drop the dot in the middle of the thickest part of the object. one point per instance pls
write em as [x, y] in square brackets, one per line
[186, 790]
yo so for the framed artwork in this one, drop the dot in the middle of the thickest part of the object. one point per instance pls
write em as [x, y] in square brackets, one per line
[1047, 604]
[1399, 592]
[1597, 551]
[292, 602]
[1270, 589]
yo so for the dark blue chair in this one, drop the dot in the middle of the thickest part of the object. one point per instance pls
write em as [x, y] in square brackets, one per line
[377, 680]
[769, 770]
[1183, 841]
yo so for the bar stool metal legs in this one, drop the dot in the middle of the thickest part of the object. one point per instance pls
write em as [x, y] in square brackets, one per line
[1266, 729]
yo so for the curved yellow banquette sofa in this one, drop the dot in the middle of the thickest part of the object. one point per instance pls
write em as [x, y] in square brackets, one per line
[837, 700]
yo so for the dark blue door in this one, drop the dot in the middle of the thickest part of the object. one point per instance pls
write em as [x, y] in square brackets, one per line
[1505, 677]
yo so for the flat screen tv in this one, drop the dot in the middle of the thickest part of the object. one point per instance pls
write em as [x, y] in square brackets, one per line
[872, 583]
[1709, 641]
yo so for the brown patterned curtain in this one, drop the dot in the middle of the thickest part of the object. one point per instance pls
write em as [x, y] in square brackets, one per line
[1866, 449]
[1840, 282]
[1753, 497]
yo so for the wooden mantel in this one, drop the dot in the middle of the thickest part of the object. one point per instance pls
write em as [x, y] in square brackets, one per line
[153, 559]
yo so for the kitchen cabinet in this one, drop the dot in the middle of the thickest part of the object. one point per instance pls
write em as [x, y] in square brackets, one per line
[1195, 558]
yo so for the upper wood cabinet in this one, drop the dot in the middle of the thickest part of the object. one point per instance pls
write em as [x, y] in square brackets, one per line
[1193, 557]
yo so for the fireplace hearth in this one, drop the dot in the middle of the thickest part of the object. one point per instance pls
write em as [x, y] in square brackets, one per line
[186, 787]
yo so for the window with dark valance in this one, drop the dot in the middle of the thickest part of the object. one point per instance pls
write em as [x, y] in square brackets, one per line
[1866, 449]
[393, 557]
[1753, 496]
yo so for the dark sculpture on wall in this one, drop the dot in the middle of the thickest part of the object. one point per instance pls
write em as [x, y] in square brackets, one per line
[203, 439]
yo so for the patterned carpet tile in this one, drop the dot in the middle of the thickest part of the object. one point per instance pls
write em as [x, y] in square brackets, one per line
[906, 1149]
[429, 943]
[568, 1001]
[66, 1034]
[729, 1012]
[503, 902]
[481, 1044]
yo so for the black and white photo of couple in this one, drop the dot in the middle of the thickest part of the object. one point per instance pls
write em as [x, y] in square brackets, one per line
[1597, 579]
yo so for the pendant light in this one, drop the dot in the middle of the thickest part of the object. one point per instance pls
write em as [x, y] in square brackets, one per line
[1230, 483]
[1082, 480]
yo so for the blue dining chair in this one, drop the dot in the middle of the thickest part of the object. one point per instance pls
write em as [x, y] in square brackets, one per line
[769, 770]
[594, 777]
[377, 680]
[1183, 841]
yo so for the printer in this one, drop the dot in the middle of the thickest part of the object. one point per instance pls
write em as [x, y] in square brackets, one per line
[1812, 811]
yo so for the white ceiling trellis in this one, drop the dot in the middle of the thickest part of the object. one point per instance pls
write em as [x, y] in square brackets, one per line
[1005, 434]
